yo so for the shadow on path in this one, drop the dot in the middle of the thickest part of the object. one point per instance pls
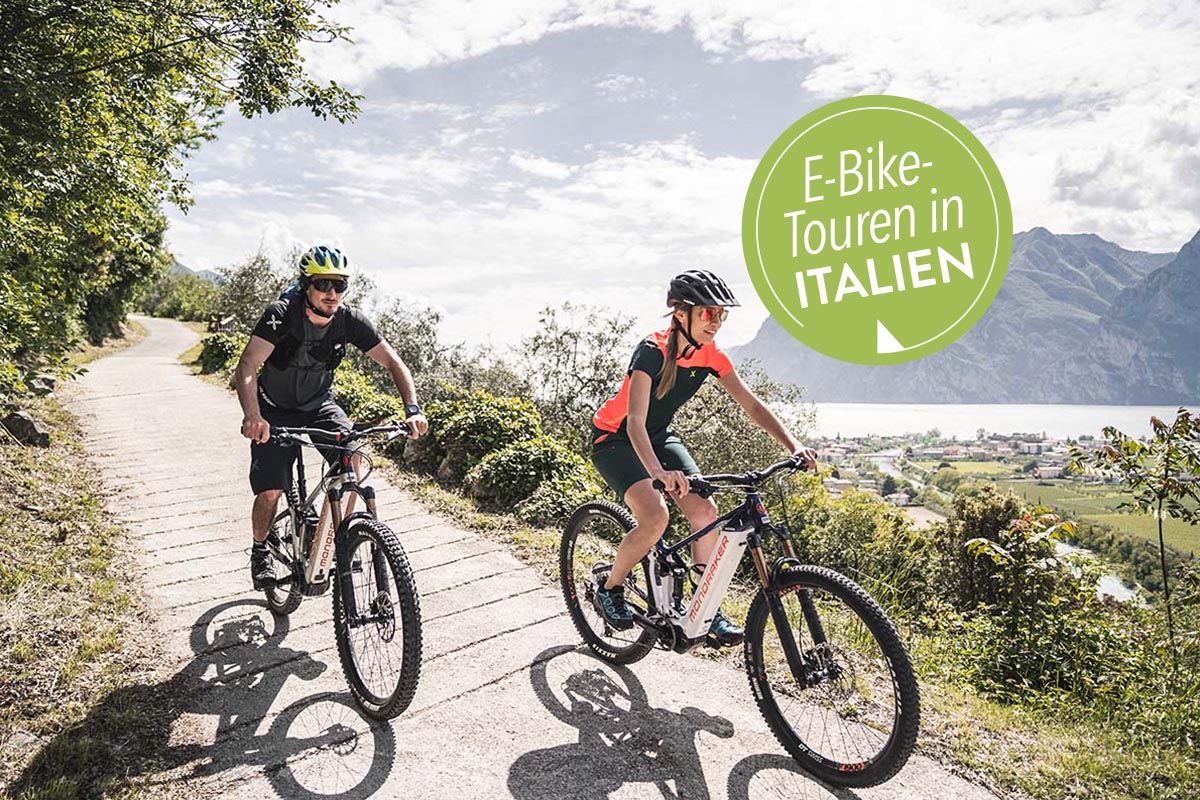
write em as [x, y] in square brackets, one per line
[622, 739]
[318, 747]
[777, 775]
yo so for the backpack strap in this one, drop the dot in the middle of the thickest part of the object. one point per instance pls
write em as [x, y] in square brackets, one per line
[284, 353]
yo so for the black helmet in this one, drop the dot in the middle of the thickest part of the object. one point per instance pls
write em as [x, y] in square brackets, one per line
[699, 287]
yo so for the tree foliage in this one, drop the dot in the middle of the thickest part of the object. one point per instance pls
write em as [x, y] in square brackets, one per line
[576, 360]
[1163, 476]
[101, 102]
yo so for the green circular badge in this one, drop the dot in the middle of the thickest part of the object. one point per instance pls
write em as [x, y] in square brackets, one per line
[877, 230]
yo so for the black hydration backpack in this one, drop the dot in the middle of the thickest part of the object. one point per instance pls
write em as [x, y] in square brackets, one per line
[332, 348]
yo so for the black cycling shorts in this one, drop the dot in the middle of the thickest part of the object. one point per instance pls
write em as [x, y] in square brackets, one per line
[270, 464]
[619, 465]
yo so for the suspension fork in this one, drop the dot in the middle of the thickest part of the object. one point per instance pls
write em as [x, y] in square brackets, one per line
[341, 550]
[778, 614]
[378, 559]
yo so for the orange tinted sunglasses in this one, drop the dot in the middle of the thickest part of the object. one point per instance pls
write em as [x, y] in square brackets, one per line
[710, 313]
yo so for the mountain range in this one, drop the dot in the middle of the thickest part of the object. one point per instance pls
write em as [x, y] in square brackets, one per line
[1078, 319]
[178, 268]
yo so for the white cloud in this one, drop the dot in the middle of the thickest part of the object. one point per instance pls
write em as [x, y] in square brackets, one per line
[623, 88]
[1102, 66]
[1089, 108]
[542, 167]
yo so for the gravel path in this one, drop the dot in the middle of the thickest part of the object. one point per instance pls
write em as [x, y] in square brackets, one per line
[500, 709]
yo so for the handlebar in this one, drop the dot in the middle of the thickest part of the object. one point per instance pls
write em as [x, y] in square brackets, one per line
[292, 435]
[705, 485]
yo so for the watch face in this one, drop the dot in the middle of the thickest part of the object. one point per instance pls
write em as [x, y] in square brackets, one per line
[411, 410]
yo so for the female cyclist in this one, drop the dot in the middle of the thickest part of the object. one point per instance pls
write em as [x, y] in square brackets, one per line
[633, 444]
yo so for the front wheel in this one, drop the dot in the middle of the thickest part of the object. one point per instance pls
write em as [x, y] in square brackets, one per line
[847, 707]
[380, 648]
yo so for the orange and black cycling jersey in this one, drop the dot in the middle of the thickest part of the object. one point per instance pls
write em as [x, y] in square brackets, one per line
[648, 358]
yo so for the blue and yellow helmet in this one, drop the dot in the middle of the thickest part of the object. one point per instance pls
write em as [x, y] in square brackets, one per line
[322, 262]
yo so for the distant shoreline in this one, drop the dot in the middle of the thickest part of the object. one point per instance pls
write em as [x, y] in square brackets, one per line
[963, 420]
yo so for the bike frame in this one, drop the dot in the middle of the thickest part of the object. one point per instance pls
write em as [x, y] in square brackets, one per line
[338, 480]
[740, 528]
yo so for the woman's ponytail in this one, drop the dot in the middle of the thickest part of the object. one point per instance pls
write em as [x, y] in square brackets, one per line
[666, 376]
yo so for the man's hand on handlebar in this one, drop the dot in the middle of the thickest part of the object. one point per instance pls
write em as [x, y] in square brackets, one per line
[256, 428]
[674, 482]
[808, 455]
[418, 426]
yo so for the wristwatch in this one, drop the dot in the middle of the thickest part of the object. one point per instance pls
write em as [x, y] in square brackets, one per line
[411, 410]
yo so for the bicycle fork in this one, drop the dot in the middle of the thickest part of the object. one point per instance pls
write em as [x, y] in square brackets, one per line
[346, 567]
[771, 584]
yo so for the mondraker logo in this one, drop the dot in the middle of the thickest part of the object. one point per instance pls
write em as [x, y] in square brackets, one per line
[329, 537]
[708, 576]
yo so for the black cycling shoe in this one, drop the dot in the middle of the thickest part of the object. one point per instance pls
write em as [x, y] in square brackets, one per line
[611, 605]
[724, 633]
[262, 567]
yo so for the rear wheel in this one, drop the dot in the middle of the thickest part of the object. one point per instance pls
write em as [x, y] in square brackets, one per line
[285, 599]
[851, 718]
[589, 545]
[380, 650]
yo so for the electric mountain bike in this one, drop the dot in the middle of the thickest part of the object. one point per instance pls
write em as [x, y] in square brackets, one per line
[376, 611]
[828, 671]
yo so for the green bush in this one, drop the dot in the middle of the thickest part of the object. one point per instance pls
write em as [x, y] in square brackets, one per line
[425, 454]
[507, 476]
[220, 351]
[556, 498]
[359, 398]
[961, 579]
[481, 424]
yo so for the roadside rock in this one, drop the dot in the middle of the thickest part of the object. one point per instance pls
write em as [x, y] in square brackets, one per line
[26, 431]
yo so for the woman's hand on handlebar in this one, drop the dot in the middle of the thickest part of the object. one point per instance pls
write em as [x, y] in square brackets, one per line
[674, 482]
[807, 455]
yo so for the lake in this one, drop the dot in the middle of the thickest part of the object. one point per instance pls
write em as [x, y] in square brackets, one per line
[963, 420]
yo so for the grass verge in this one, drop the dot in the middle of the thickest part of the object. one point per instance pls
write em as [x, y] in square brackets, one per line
[132, 332]
[74, 633]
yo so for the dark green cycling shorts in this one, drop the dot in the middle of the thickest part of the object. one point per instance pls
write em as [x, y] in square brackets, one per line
[620, 466]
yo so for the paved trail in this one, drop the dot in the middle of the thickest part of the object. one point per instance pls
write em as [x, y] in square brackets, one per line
[502, 709]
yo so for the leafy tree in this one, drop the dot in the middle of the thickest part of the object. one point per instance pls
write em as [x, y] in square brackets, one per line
[180, 296]
[888, 486]
[964, 580]
[724, 439]
[102, 101]
[1161, 474]
[576, 358]
[947, 479]
[246, 289]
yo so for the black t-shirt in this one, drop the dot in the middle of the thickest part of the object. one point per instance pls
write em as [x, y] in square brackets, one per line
[303, 383]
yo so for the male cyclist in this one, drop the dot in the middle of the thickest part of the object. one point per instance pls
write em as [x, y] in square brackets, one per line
[633, 444]
[302, 339]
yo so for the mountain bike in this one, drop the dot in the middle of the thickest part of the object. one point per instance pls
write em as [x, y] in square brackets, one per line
[828, 671]
[376, 611]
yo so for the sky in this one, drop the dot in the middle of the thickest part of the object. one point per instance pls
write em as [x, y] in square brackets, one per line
[515, 155]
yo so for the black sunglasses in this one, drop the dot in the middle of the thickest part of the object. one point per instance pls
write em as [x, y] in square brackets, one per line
[330, 284]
